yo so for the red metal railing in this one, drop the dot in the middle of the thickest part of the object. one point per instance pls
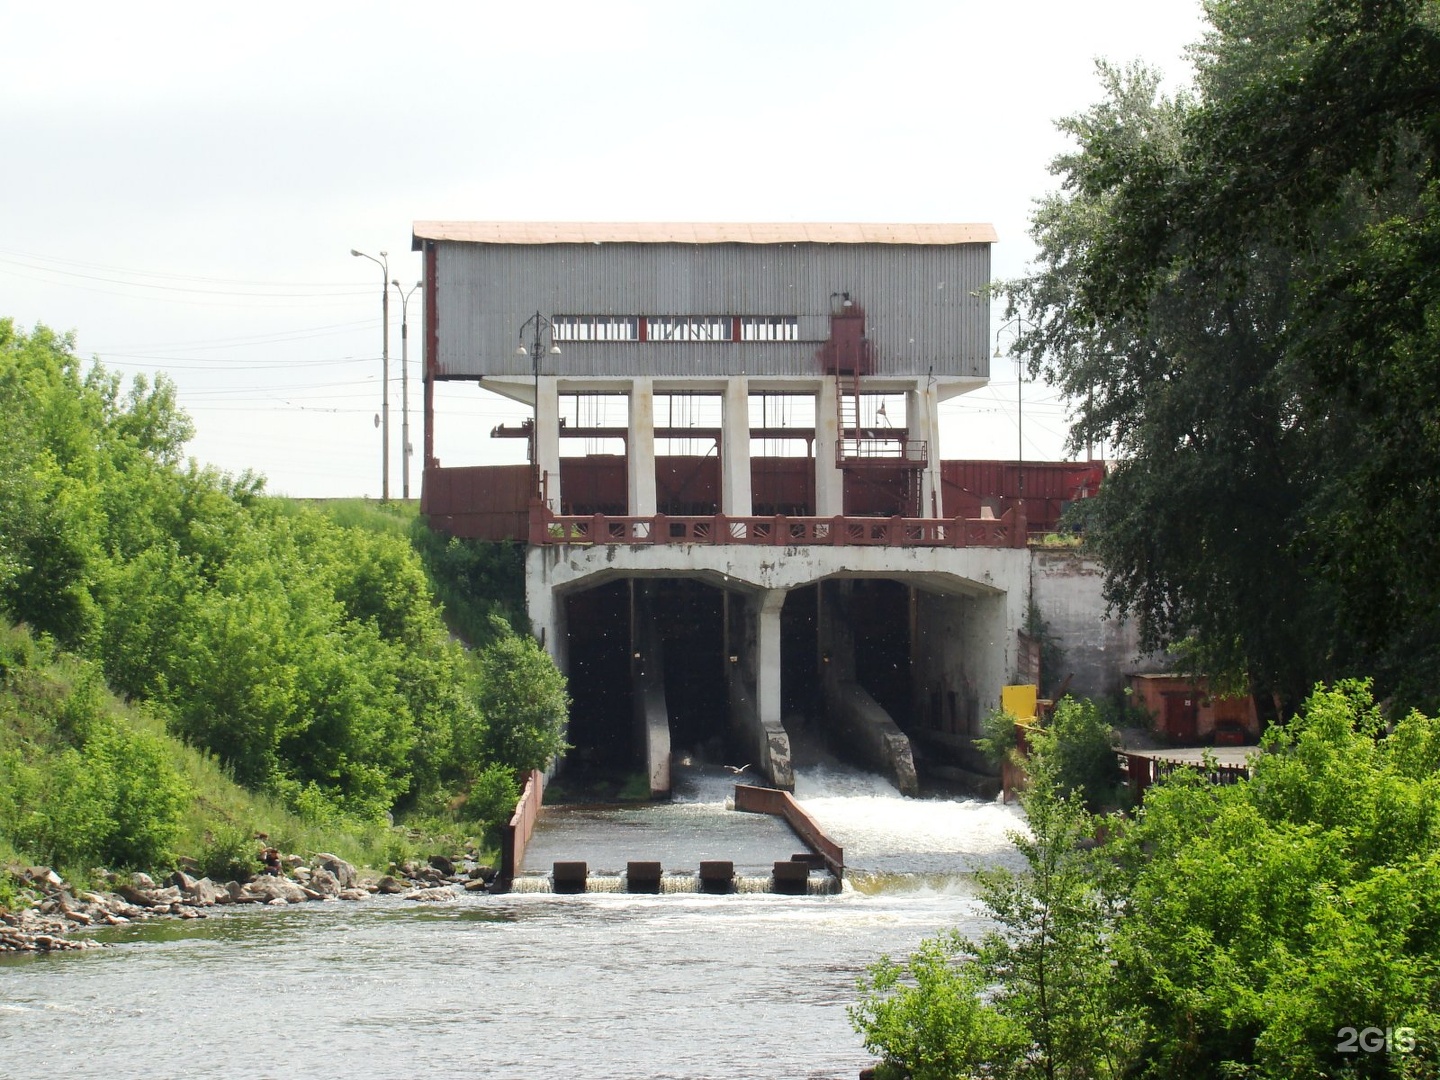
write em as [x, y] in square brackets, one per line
[1008, 530]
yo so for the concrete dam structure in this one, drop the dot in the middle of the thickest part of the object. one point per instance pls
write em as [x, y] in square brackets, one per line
[739, 531]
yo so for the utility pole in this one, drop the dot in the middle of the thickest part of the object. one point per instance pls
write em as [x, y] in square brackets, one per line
[405, 386]
[384, 265]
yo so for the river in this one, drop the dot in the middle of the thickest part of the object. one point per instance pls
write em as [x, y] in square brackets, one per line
[603, 985]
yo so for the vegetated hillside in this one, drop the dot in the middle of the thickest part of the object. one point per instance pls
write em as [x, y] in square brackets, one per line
[303, 648]
[86, 781]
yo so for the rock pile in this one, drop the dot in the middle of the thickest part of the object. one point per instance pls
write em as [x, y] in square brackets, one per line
[56, 909]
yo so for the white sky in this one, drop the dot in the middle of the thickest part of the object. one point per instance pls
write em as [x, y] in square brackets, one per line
[183, 183]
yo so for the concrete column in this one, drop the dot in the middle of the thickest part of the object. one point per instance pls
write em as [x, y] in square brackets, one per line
[547, 438]
[922, 416]
[767, 668]
[735, 449]
[546, 616]
[640, 448]
[829, 480]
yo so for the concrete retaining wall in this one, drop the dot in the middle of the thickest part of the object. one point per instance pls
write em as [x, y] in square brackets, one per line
[767, 742]
[758, 800]
[652, 716]
[868, 732]
[517, 831]
[1097, 651]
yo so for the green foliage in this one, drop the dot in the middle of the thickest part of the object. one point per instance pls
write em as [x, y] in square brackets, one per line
[87, 788]
[1228, 930]
[492, 797]
[1080, 745]
[523, 698]
[1270, 914]
[1237, 290]
[476, 580]
[1037, 996]
[300, 645]
[228, 855]
[926, 1018]
[997, 739]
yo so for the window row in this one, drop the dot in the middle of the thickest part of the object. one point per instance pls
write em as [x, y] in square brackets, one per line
[676, 328]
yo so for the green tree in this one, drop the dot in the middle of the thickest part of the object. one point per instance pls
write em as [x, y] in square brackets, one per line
[523, 699]
[1234, 287]
[1264, 916]
[1036, 997]
[1078, 744]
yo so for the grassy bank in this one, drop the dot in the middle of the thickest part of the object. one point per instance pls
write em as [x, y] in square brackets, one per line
[88, 781]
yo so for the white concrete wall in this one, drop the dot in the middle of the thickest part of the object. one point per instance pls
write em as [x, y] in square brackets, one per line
[973, 571]
[1066, 587]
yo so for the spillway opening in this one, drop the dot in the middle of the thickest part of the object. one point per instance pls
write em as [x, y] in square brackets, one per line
[880, 622]
[599, 650]
[688, 616]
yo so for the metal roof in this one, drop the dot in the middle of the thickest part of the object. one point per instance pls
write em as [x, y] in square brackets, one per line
[664, 232]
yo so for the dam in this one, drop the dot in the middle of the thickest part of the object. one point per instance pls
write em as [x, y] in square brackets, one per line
[737, 521]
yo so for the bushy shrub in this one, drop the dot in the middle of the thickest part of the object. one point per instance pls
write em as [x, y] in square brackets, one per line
[492, 797]
[1081, 744]
[229, 855]
[926, 1017]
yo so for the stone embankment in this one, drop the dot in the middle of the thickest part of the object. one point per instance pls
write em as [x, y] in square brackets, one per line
[56, 909]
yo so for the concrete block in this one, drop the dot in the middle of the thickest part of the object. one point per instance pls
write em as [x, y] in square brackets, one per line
[717, 876]
[642, 877]
[791, 878]
[568, 877]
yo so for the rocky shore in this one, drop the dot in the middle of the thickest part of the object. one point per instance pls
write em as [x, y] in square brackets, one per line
[56, 909]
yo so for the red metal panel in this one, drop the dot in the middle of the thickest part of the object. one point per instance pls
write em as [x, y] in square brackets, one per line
[782, 486]
[1048, 486]
[594, 485]
[687, 485]
[483, 502]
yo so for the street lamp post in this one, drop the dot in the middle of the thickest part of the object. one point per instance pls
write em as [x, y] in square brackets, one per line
[405, 386]
[538, 325]
[384, 265]
[1015, 327]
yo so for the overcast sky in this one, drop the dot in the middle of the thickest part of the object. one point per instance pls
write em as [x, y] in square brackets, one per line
[183, 183]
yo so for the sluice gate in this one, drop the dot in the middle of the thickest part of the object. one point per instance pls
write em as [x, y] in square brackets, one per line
[677, 667]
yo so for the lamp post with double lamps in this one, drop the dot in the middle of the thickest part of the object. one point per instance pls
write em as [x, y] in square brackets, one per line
[405, 386]
[384, 265]
[538, 325]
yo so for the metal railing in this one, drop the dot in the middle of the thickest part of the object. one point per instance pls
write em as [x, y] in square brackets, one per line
[1008, 530]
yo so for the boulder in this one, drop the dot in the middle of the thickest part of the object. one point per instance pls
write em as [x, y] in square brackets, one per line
[138, 897]
[343, 871]
[324, 882]
[432, 896]
[266, 890]
[390, 885]
[182, 881]
[203, 892]
[354, 894]
[45, 878]
[142, 881]
[444, 865]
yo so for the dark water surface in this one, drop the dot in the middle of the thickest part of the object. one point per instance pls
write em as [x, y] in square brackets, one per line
[527, 985]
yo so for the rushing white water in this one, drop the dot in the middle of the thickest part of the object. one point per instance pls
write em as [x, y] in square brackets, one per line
[884, 833]
[601, 985]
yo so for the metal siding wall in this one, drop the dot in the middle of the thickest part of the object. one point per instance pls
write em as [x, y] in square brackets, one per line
[921, 304]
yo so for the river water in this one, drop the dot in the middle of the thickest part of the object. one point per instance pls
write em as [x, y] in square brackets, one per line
[603, 985]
